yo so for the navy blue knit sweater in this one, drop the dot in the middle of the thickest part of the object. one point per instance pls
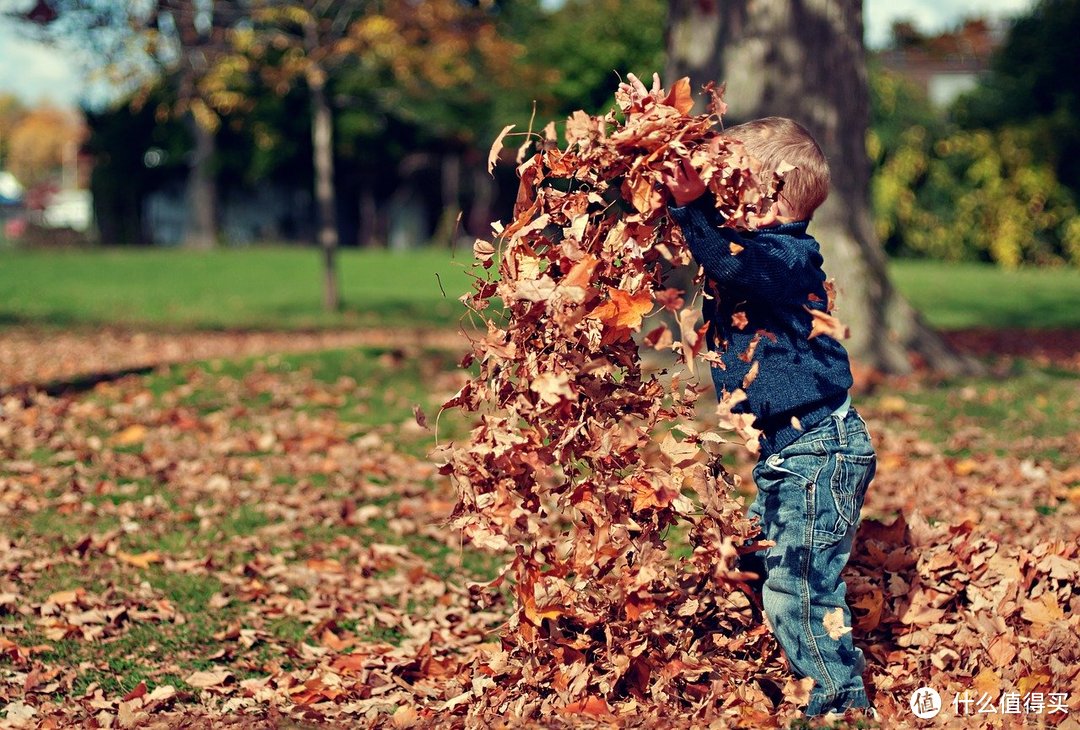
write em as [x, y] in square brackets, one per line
[765, 288]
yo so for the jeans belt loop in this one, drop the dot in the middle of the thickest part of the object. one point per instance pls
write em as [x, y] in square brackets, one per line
[841, 430]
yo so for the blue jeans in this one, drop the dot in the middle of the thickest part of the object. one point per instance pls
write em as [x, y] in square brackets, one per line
[809, 497]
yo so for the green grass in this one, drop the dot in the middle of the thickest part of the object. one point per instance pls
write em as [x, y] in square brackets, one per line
[1029, 408]
[959, 296]
[257, 288]
[266, 287]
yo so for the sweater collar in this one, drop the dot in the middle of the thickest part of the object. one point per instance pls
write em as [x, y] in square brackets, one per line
[788, 229]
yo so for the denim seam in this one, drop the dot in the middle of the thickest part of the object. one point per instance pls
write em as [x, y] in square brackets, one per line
[808, 541]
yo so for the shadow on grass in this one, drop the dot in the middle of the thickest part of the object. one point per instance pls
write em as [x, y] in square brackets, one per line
[73, 386]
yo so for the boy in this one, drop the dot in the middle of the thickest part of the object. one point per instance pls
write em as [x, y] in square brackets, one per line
[816, 458]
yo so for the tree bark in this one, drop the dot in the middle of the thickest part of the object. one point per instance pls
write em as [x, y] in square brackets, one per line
[322, 138]
[483, 196]
[448, 227]
[369, 212]
[202, 229]
[805, 59]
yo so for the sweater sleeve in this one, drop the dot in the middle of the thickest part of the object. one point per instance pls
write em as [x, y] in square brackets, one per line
[757, 268]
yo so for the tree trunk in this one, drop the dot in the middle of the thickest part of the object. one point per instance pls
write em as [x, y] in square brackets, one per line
[322, 138]
[448, 228]
[201, 231]
[483, 196]
[369, 211]
[805, 59]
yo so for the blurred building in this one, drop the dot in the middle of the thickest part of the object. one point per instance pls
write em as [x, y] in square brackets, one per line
[947, 65]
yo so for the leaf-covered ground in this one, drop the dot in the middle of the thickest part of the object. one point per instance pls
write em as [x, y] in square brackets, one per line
[260, 541]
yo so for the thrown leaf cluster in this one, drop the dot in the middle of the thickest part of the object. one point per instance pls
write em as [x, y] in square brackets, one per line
[582, 462]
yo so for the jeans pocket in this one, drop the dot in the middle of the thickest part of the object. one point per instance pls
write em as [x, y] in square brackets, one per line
[840, 504]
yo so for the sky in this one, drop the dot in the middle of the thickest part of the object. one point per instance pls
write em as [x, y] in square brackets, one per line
[37, 73]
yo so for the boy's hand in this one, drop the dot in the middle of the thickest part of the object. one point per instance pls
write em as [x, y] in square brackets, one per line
[635, 89]
[684, 184]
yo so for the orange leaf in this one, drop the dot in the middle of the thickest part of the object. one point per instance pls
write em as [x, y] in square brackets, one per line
[1002, 650]
[580, 273]
[680, 96]
[1045, 610]
[834, 623]
[826, 324]
[871, 602]
[328, 565]
[63, 598]
[1026, 684]
[141, 560]
[139, 691]
[333, 642]
[635, 607]
[211, 678]
[130, 436]
[624, 311]
[987, 682]
[405, 716]
[596, 706]
[353, 663]
[644, 195]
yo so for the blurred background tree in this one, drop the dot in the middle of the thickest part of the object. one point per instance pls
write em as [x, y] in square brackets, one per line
[39, 141]
[369, 123]
[137, 46]
[992, 176]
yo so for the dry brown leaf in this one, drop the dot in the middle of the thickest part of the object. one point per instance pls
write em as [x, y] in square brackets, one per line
[834, 623]
[209, 678]
[139, 560]
[496, 148]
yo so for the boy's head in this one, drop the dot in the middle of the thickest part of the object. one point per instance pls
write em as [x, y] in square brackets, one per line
[776, 140]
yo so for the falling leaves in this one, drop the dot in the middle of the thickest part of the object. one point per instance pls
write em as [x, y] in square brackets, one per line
[823, 323]
[580, 461]
[496, 147]
[562, 467]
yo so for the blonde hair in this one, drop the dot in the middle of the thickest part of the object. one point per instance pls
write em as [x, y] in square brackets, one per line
[776, 140]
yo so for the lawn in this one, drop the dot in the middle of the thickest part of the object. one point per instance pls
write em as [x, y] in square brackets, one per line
[959, 296]
[273, 288]
[259, 288]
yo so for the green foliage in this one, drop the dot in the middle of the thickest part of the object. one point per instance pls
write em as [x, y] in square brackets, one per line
[997, 178]
[964, 194]
[588, 44]
[1033, 84]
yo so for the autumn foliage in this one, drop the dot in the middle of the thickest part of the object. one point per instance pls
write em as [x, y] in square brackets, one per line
[582, 465]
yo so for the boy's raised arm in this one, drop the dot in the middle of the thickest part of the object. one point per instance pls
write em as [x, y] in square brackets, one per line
[749, 266]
